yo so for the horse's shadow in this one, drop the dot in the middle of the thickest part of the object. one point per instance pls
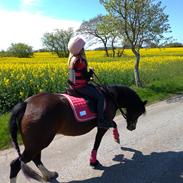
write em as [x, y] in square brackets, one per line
[157, 167]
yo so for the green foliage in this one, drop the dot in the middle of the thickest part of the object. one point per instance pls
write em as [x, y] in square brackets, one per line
[140, 21]
[57, 41]
[96, 30]
[4, 53]
[175, 44]
[20, 50]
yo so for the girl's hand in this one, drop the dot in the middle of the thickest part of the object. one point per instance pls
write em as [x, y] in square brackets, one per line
[92, 69]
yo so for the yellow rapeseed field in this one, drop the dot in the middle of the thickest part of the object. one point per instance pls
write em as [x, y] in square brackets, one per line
[20, 78]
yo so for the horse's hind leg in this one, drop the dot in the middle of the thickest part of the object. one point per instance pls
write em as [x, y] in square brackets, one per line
[47, 175]
[15, 167]
[93, 157]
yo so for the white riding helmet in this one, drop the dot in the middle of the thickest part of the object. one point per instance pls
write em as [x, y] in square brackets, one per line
[75, 45]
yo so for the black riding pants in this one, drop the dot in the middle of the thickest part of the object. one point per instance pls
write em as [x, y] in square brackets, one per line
[92, 92]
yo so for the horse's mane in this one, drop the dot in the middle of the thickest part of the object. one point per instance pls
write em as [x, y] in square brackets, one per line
[122, 89]
[123, 94]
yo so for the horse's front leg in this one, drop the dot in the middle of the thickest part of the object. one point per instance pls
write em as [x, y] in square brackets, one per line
[93, 157]
[116, 133]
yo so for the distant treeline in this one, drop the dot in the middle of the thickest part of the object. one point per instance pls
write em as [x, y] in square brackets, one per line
[24, 52]
[169, 45]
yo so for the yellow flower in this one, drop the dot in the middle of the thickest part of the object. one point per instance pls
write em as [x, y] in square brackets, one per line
[21, 94]
[6, 82]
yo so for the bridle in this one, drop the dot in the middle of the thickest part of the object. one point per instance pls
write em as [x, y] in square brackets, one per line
[123, 113]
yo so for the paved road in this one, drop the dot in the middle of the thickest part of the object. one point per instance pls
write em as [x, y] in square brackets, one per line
[153, 153]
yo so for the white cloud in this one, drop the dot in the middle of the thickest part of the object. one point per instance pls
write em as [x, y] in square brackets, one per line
[28, 2]
[28, 28]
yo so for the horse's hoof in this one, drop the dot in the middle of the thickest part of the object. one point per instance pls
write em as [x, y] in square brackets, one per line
[95, 164]
[53, 175]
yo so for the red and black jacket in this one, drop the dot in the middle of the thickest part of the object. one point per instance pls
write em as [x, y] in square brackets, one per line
[78, 68]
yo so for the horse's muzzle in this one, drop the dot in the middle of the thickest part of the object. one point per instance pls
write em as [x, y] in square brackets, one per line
[131, 127]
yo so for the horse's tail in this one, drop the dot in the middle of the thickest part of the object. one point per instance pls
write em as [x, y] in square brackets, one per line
[15, 119]
[16, 116]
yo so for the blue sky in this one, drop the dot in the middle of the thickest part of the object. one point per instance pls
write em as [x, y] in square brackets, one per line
[27, 20]
[62, 9]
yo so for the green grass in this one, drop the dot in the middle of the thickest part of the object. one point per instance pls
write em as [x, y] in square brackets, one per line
[5, 140]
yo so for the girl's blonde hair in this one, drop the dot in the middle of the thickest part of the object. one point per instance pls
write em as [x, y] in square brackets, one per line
[81, 54]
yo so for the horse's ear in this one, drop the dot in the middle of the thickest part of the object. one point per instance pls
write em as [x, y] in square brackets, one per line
[145, 102]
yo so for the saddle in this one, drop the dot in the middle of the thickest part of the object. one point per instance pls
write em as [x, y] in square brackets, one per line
[84, 108]
[83, 111]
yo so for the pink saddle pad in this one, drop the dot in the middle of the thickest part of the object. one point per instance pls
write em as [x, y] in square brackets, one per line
[80, 108]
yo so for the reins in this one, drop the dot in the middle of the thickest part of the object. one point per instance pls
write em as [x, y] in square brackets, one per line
[105, 88]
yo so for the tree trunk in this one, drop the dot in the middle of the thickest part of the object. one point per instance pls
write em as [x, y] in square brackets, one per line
[113, 49]
[106, 50]
[136, 68]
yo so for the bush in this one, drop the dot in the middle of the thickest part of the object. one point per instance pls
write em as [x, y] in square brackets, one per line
[4, 53]
[20, 50]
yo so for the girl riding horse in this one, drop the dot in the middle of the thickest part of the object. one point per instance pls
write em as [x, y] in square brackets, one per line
[40, 117]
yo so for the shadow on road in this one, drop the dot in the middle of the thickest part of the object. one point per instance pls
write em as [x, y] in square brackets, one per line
[157, 167]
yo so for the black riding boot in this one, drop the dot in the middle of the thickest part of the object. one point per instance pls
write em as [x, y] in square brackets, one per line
[102, 123]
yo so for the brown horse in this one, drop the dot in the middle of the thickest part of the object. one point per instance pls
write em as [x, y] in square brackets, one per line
[42, 116]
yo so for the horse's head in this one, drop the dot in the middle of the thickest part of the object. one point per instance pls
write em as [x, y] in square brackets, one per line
[129, 100]
[133, 113]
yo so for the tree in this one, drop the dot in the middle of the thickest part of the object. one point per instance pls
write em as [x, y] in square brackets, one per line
[108, 27]
[92, 30]
[141, 21]
[20, 50]
[173, 44]
[57, 41]
[151, 44]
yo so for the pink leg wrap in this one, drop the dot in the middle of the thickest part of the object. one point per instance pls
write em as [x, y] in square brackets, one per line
[116, 135]
[93, 156]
